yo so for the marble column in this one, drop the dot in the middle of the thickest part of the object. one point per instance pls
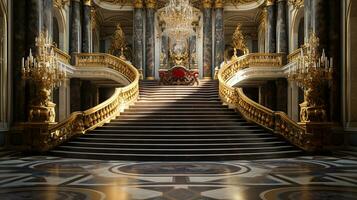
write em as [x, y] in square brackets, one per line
[271, 26]
[64, 100]
[138, 34]
[334, 51]
[164, 56]
[86, 29]
[281, 95]
[281, 26]
[150, 39]
[219, 33]
[271, 97]
[31, 17]
[75, 94]
[47, 16]
[320, 11]
[193, 52]
[207, 39]
[307, 18]
[75, 27]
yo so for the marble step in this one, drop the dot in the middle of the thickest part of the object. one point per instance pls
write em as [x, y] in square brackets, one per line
[125, 123]
[218, 128]
[178, 157]
[197, 145]
[132, 119]
[177, 141]
[175, 151]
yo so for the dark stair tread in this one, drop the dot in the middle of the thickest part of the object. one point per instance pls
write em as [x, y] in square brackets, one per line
[178, 123]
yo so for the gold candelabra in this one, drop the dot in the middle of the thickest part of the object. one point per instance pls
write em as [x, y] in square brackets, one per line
[312, 73]
[44, 72]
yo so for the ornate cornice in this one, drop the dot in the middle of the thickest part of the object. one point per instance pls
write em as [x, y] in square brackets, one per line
[138, 4]
[87, 2]
[60, 3]
[219, 4]
[207, 3]
[150, 4]
[162, 3]
[270, 2]
[296, 3]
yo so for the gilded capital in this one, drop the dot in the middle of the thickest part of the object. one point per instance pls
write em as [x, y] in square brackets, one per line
[219, 4]
[87, 2]
[150, 4]
[270, 2]
[296, 3]
[138, 4]
[207, 3]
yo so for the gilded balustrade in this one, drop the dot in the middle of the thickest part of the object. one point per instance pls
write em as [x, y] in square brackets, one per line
[277, 122]
[62, 56]
[110, 61]
[294, 56]
[81, 122]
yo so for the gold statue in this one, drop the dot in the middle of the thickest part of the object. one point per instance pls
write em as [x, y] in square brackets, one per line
[118, 42]
[239, 41]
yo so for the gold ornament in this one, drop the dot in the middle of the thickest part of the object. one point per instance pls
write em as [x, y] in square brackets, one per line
[150, 4]
[297, 3]
[313, 73]
[44, 72]
[118, 42]
[239, 41]
[60, 3]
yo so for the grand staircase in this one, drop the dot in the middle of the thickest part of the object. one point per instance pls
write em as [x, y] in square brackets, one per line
[178, 123]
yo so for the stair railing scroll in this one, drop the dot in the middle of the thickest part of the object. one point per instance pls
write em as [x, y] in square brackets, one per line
[81, 122]
[277, 122]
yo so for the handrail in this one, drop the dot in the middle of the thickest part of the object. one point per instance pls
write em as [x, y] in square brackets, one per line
[81, 122]
[294, 56]
[277, 122]
[62, 56]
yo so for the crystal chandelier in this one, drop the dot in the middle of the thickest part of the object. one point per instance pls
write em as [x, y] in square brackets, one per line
[44, 72]
[178, 16]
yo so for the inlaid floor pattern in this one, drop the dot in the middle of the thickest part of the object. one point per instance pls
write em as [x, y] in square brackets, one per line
[178, 123]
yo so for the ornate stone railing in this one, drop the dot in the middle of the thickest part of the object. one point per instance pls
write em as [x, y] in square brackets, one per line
[81, 122]
[62, 56]
[251, 60]
[277, 122]
[294, 56]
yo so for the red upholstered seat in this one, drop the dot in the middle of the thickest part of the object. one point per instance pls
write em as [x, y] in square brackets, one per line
[178, 75]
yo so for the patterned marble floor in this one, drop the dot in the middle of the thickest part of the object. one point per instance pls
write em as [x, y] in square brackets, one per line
[51, 178]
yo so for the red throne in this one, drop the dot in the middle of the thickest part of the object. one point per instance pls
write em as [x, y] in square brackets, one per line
[178, 75]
